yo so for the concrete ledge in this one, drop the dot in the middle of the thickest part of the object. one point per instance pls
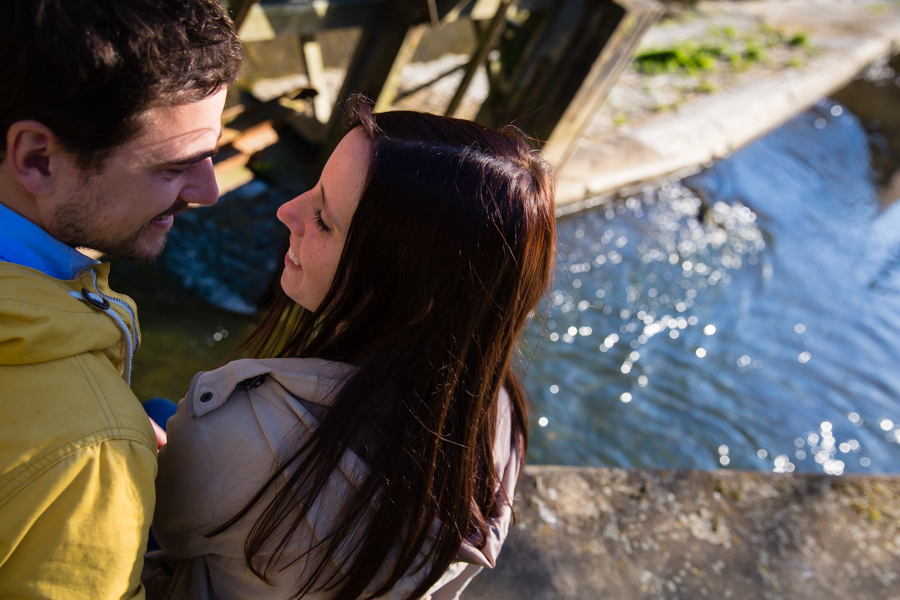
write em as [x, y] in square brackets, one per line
[610, 533]
[849, 35]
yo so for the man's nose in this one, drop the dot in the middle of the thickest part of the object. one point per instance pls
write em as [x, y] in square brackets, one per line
[201, 188]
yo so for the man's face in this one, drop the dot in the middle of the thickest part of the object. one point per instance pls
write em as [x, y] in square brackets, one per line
[127, 209]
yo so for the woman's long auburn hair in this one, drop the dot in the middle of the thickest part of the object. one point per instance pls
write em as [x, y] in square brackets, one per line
[449, 250]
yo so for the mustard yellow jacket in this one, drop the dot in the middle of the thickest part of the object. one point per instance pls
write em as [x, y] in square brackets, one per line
[77, 452]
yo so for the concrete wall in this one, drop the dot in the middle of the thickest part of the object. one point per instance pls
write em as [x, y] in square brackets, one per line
[610, 533]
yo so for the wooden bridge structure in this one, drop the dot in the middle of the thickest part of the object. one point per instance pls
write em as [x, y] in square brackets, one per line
[550, 63]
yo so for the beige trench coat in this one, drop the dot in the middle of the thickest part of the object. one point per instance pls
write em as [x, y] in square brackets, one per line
[223, 444]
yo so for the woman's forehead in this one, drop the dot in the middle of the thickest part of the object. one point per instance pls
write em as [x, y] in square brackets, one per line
[344, 175]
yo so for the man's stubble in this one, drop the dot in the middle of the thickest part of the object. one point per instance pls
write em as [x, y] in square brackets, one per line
[79, 223]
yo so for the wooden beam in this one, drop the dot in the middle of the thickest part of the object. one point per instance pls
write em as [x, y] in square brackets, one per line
[488, 43]
[404, 57]
[373, 60]
[569, 61]
[269, 20]
[315, 69]
[613, 60]
[239, 9]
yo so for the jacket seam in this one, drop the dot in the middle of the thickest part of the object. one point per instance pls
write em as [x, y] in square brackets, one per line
[112, 420]
[82, 311]
[209, 480]
[47, 461]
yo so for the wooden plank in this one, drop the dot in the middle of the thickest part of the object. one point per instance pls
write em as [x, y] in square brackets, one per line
[373, 60]
[269, 20]
[277, 19]
[239, 9]
[565, 70]
[614, 59]
[404, 57]
[315, 70]
[488, 43]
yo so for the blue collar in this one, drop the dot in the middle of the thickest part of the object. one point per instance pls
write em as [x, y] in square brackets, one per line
[24, 243]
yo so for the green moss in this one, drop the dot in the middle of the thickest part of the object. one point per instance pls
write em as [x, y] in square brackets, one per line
[799, 39]
[723, 47]
[706, 87]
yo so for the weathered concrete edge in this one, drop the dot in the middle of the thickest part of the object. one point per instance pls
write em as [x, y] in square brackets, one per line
[716, 126]
[628, 534]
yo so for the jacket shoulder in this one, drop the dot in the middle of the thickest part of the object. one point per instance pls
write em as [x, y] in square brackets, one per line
[51, 409]
[79, 527]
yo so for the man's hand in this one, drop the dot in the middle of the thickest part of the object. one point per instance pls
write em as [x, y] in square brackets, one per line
[160, 435]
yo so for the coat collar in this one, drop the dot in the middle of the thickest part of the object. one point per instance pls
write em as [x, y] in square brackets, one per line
[312, 379]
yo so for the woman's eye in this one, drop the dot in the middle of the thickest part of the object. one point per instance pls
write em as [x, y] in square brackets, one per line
[320, 224]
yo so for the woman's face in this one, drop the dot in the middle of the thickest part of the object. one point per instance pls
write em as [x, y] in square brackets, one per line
[318, 220]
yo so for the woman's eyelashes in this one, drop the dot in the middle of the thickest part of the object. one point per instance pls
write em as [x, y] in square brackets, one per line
[320, 224]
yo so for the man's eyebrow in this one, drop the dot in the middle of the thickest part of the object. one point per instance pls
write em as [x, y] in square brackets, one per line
[195, 158]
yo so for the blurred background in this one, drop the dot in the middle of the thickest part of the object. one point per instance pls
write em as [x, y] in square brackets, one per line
[727, 291]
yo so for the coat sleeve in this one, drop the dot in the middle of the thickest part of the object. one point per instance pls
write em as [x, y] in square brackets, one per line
[81, 526]
[184, 503]
[208, 471]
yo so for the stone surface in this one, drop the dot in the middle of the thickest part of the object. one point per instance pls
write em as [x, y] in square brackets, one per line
[847, 36]
[611, 533]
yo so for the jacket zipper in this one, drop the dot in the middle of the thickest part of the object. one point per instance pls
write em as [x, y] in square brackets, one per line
[135, 342]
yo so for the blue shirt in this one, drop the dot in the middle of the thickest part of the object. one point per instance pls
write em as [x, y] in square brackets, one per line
[24, 243]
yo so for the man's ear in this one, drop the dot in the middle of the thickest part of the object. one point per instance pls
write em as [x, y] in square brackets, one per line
[33, 152]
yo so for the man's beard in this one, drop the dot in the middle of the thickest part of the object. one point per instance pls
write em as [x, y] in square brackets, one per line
[76, 224]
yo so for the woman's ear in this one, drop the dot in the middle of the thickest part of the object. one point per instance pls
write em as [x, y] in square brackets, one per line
[33, 153]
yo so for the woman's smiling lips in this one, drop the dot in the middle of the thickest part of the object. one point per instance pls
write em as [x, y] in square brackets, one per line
[291, 259]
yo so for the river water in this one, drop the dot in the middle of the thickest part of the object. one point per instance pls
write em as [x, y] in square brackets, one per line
[745, 317]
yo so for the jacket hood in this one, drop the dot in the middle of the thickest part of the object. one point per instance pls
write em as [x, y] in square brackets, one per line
[40, 321]
[317, 381]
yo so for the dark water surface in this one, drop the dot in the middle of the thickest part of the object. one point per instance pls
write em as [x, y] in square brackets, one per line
[746, 317]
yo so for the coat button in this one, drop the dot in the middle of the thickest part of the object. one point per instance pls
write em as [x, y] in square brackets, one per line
[206, 397]
[95, 299]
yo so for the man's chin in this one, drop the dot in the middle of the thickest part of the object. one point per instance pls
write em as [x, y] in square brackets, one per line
[142, 250]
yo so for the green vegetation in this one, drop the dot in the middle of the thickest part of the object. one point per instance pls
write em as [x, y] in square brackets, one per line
[723, 48]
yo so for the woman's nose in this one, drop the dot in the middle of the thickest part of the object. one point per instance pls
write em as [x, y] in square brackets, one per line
[290, 213]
